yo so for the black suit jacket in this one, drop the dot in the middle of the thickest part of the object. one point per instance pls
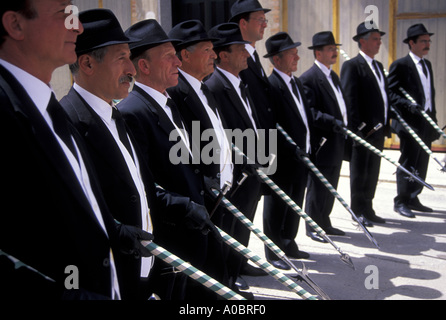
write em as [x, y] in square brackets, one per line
[364, 96]
[289, 117]
[324, 108]
[404, 74]
[151, 128]
[47, 221]
[192, 111]
[261, 94]
[116, 181]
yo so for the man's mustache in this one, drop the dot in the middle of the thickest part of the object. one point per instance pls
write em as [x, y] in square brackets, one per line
[127, 78]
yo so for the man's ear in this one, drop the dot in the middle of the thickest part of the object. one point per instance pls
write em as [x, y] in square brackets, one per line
[144, 66]
[86, 64]
[13, 22]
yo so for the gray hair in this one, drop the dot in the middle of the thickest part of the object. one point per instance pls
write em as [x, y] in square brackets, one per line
[97, 55]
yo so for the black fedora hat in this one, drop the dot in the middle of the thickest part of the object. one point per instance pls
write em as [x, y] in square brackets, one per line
[228, 34]
[245, 6]
[151, 34]
[324, 38]
[278, 43]
[415, 31]
[189, 32]
[366, 27]
[101, 29]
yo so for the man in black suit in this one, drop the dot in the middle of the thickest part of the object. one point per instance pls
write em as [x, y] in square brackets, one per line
[414, 74]
[280, 222]
[161, 134]
[251, 18]
[103, 73]
[55, 215]
[366, 90]
[330, 113]
[235, 104]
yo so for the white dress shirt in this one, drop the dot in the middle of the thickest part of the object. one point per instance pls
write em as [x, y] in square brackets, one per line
[104, 111]
[161, 99]
[226, 165]
[381, 83]
[337, 91]
[40, 94]
[299, 105]
[425, 81]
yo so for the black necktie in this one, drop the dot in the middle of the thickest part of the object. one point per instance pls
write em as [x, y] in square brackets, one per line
[295, 91]
[335, 79]
[175, 114]
[258, 64]
[120, 125]
[243, 92]
[375, 66]
[423, 65]
[211, 101]
[60, 124]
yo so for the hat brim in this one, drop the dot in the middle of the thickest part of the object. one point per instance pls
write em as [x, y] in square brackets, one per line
[128, 40]
[358, 36]
[235, 18]
[185, 44]
[324, 45]
[272, 54]
[406, 41]
[217, 45]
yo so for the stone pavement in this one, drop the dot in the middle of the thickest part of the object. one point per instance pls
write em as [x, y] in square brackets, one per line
[411, 262]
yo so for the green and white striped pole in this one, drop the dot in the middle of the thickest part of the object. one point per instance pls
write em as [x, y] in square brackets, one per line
[193, 272]
[329, 186]
[270, 183]
[271, 245]
[276, 274]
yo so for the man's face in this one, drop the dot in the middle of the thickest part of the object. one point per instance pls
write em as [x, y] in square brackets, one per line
[164, 66]
[422, 46]
[238, 58]
[114, 74]
[328, 55]
[287, 61]
[202, 59]
[372, 45]
[46, 37]
[254, 30]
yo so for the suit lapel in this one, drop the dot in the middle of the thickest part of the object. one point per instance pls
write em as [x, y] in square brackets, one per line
[45, 138]
[98, 135]
[366, 68]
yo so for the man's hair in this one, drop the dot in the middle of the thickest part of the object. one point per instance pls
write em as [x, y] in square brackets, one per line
[24, 7]
[219, 50]
[364, 37]
[244, 16]
[97, 54]
[414, 39]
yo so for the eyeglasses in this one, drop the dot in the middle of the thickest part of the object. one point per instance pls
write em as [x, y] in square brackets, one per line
[425, 41]
[261, 21]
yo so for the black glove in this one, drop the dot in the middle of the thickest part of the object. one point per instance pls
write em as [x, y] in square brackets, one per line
[130, 241]
[197, 218]
[415, 108]
[338, 126]
[300, 153]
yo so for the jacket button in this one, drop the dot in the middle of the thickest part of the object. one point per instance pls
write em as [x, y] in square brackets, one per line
[133, 198]
[197, 171]
[106, 262]
[202, 193]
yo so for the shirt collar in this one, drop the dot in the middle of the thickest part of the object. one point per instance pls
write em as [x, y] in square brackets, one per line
[324, 69]
[39, 92]
[416, 59]
[159, 97]
[194, 82]
[233, 79]
[366, 57]
[250, 49]
[284, 76]
[102, 108]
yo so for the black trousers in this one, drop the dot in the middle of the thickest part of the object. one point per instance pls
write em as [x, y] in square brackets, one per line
[280, 221]
[364, 174]
[413, 158]
[319, 200]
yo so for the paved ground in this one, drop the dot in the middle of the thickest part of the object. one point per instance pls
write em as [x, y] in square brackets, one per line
[411, 262]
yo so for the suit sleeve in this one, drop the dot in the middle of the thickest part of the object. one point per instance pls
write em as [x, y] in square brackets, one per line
[350, 82]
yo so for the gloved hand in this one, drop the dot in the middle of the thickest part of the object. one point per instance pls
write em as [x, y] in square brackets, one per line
[130, 241]
[300, 153]
[338, 126]
[415, 108]
[197, 218]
